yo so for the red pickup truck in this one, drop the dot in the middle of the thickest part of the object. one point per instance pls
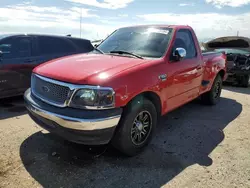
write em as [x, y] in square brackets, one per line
[116, 93]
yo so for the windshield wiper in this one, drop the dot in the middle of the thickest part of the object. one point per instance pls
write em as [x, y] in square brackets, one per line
[125, 52]
[99, 50]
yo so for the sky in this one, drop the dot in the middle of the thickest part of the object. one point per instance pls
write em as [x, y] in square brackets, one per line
[209, 18]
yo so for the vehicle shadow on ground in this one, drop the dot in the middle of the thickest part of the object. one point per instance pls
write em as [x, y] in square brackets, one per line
[237, 89]
[12, 107]
[184, 137]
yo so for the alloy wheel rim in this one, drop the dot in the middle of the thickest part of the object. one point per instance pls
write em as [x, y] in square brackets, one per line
[141, 128]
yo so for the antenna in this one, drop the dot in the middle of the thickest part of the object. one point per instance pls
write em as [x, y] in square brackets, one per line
[81, 23]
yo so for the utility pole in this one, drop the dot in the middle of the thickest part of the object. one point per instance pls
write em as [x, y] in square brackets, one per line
[81, 23]
[237, 33]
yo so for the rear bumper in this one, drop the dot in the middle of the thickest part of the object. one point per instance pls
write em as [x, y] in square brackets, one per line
[81, 126]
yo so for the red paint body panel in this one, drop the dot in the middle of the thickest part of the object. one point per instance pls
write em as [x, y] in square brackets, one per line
[130, 77]
[79, 69]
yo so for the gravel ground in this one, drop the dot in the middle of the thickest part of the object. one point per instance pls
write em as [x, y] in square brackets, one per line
[194, 146]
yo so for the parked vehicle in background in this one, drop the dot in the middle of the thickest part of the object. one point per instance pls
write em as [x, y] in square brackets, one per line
[118, 92]
[237, 50]
[19, 54]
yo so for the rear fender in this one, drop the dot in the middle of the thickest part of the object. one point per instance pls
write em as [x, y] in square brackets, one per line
[213, 67]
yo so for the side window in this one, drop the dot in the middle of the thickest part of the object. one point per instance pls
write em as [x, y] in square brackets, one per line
[16, 47]
[24, 47]
[54, 45]
[184, 39]
[6, 46]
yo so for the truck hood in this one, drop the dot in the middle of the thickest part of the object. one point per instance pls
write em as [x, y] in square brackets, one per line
[86, 68]
[233, 42]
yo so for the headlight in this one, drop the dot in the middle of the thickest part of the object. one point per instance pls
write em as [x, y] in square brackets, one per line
[93, 98]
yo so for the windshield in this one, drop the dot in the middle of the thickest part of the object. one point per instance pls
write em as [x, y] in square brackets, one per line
[233, 51]
[143, 41]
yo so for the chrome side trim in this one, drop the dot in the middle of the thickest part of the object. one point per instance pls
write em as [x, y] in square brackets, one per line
[75, 123]
[73, 89]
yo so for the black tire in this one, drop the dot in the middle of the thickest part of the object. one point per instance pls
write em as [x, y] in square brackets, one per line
[124, 139]
[245, 81]
[212, 97]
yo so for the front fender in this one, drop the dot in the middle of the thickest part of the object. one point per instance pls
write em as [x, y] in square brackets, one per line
[136, 82]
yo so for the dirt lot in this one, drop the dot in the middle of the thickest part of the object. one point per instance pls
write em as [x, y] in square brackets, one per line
[195, 146]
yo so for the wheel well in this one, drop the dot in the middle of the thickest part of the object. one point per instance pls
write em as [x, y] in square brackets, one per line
[154, 98]
[222, 73]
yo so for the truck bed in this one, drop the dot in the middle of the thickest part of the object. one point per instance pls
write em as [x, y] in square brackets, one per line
[209, 56]
[207, 53]
[212, 59]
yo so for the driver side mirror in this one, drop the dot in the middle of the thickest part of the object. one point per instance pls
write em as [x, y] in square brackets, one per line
[179, 54]
[1, 53]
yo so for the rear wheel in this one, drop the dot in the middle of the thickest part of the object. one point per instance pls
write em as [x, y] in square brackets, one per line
[213, 96]
[136, 127]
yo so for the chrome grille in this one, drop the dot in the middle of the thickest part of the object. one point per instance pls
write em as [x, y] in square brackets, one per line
[49, 91]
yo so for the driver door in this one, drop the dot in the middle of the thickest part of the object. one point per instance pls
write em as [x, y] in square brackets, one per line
[185, 76]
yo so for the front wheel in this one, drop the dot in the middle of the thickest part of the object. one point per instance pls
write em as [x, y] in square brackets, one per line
[212, 97]
[136, 127]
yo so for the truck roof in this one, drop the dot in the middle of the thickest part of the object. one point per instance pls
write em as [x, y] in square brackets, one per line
[161, 26]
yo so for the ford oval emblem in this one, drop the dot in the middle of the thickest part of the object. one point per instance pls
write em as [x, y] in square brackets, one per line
[45, 89]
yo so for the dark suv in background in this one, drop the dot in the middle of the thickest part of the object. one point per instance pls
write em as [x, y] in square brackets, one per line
[19, 54]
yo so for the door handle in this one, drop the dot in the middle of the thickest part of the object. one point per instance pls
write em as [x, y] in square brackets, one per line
[199, 68]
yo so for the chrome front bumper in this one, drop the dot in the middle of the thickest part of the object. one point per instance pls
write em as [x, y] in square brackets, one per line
[75, 123]
[71, 122]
